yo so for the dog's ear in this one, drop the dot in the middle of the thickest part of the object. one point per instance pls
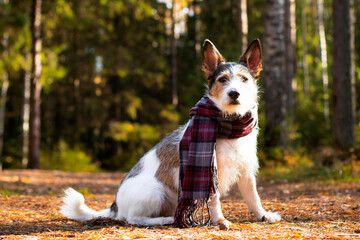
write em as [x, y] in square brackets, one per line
[252, 58]
[211, 58]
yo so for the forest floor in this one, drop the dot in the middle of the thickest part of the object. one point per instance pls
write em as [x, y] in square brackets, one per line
[30, 200]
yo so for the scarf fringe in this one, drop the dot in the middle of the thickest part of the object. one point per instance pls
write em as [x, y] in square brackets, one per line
[188, 211]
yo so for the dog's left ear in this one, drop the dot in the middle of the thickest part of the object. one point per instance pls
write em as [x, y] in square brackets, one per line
[252, 58]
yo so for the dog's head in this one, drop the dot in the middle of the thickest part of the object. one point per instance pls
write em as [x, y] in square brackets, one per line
[232, 86]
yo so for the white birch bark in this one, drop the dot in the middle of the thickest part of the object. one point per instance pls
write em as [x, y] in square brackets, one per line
[305, 50]
[35, 88]
[290, 41]
[243, 24]
[26, 119]
[324, 64]
[174, 80]
[274, 73]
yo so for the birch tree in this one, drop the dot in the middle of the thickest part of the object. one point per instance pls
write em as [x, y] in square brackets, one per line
[274, 72]
[35, 87]
[174, 37]
[243, 24]
[323, 55]
[25, 119]
[305, 49]
[290, 40]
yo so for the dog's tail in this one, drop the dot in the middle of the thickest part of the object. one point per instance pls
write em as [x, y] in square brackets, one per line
[74, 207]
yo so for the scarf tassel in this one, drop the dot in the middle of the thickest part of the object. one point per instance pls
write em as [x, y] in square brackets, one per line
[188, 212]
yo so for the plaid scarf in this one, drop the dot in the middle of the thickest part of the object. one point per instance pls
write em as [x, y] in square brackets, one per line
[198, 173]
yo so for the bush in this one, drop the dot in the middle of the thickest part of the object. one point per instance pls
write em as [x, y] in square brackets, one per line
[133, 139]
[67, 159]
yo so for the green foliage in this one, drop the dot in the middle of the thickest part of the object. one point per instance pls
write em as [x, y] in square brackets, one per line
[312, 130]
[8, 193]
[169, 119]
[52, 70]
[106, 75]
[126, 131]
[303, 169]
[12, 155]
[67, 159]
[15, 26]
[84, 191]
[135, 139]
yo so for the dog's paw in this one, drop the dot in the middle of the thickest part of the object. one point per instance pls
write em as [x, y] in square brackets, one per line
[271, 216]
[223, 224]
[167, 221]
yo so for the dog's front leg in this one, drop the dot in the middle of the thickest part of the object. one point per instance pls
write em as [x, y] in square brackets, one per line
[217, 217]
[247, 186]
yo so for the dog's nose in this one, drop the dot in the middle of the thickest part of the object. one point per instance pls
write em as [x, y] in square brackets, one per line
[234, 95]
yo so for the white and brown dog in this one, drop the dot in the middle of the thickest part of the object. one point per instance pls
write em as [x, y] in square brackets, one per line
[148, 195]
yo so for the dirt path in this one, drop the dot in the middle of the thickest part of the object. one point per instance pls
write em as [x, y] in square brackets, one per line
[29, 202]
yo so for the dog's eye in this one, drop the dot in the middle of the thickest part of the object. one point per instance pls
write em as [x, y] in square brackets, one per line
[222, 80]
[244, 79]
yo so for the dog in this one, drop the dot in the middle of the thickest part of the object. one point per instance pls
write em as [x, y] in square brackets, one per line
[148, 195]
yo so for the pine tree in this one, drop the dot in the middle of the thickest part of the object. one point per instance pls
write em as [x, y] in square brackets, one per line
[343, 87]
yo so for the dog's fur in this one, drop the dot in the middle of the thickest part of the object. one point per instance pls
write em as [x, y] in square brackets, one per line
[148, 195]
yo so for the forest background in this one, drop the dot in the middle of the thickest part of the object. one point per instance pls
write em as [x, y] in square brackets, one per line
[93, 84]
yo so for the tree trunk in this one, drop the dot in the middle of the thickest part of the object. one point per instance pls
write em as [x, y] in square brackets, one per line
[35, 88]
[324, 65]
[243, 24]
[343, 87]
[25, 119]
[197, 25]
[305, 50]
[174, 80]
[274, 72]
[4, 88]
[290, 40]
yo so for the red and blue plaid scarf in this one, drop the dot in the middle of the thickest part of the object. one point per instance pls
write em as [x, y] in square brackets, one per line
[198, 173]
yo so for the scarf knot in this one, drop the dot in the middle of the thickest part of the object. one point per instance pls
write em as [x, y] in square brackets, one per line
[198, 174]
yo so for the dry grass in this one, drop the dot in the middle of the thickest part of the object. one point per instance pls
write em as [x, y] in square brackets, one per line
[29, 202]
